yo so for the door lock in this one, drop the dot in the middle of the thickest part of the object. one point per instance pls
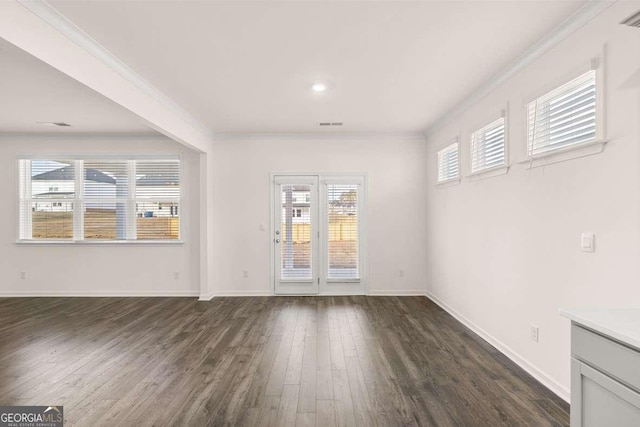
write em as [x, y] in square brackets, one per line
[277, 240]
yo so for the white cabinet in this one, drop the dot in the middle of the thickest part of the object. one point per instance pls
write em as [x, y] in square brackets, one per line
[605, 380]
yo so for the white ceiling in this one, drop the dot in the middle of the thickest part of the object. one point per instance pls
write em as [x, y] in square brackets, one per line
[247, 66]
[32, 91]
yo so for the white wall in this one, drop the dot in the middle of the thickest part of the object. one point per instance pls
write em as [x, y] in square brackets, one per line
[95, 269]
[504, 252]
[395, 213]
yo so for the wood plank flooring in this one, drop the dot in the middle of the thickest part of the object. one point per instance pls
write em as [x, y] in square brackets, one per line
[263, 361]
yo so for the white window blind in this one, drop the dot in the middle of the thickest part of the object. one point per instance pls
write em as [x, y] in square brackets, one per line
[488, 146]
[47, 193]
[99, 199]
[296, 247]
[563, 117]
[105, 200]
[157, 199]
[448, 163]
[343, 235]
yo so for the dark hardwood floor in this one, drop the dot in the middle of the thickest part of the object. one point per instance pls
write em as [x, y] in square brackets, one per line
[365, 361]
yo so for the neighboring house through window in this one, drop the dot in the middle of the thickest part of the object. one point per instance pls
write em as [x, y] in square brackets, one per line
[99, 199]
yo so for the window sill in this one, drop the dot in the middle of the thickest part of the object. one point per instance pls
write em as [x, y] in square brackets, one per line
[101, 243]
[449, 183]
[489, 173]
[564, 154]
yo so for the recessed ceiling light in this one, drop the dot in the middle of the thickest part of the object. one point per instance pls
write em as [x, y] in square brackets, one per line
[319, 87]
[59, 124]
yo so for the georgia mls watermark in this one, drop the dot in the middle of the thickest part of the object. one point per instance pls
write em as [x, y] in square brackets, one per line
[31, 416]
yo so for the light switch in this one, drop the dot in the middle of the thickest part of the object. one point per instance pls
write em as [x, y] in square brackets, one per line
[588, 242]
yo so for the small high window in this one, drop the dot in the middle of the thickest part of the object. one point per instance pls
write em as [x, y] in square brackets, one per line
[448, 163]
[488, 147]
[564, 117]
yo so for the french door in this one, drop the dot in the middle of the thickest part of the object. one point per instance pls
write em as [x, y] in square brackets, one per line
[318, 233]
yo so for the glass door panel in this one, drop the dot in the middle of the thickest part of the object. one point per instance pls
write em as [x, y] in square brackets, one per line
[295, 234]
[318, 224]
[343, 237]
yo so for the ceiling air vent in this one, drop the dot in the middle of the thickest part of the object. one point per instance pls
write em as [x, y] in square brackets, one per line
[633, 20]
[59, 124]
[329, 124]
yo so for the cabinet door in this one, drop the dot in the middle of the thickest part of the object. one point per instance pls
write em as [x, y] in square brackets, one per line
[598, 400]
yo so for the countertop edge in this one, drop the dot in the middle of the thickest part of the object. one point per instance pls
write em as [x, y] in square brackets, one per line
[583, 319]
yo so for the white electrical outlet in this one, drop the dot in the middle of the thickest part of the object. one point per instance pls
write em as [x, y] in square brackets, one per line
[176, 275]
[401, 273]
[245, 273]
[534, 333]
[23, 275]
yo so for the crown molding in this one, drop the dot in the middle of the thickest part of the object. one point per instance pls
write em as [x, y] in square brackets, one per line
[66, 27]
[570, 25]
[85, 135]
[314, 136]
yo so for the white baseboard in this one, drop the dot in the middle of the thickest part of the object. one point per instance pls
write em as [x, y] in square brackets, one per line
[338, 294]
[268, 293]
[389, 293]
[533, 370]
[98, 294]
[396, 293]
[205, 297]
[375, 293]
[241, 294]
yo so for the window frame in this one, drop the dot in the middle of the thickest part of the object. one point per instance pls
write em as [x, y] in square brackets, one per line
[360, 181]
[502, 168]
[79, 201]
[581, 149]
[457, 178]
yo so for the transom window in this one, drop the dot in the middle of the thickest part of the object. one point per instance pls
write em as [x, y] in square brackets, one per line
[448, 163]
[564, 117]
[99, 199]
[488, 146]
